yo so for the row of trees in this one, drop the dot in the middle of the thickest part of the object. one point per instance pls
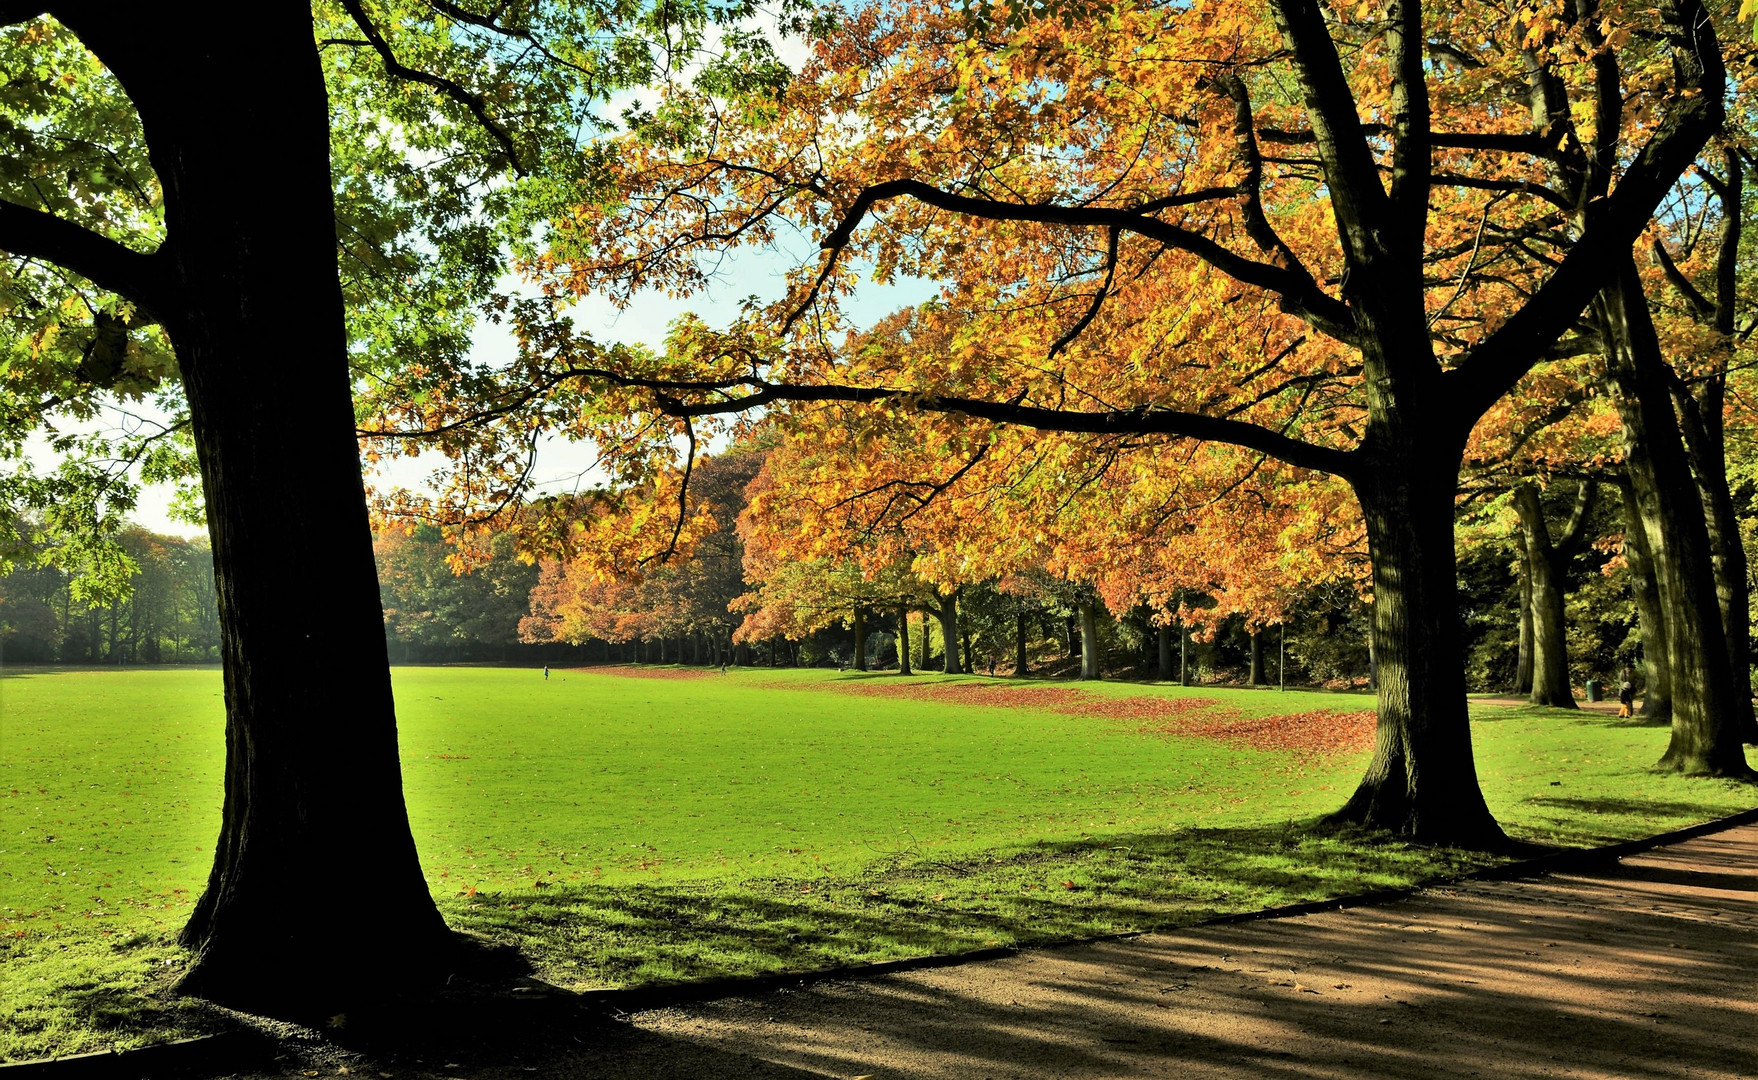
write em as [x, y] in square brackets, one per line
[166, 615]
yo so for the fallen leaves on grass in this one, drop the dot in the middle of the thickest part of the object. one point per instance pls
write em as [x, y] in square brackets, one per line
[633, 671]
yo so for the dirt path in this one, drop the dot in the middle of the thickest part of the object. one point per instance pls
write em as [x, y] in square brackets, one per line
[1643, 969]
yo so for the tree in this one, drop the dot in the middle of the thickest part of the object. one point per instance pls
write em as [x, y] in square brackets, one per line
[206, 217]
[1096, 209]
[1544, 565]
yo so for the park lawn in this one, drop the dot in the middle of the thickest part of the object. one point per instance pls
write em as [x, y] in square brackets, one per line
[640, 830]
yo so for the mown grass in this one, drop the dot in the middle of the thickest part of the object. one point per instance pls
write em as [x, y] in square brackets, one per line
[630, 831]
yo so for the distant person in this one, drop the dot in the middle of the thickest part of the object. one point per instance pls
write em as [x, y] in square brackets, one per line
[1627, 694]
[723, 667]
[546, 673]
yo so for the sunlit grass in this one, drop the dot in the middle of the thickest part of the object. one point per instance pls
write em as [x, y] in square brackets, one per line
[639, 830]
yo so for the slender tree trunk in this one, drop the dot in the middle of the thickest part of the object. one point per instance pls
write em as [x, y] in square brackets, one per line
[1705, 731]
[1257, 657]
[860, 638]
[1550, 647]
[1021, 662]
[1421, 781]
[313, 794]
[1523, 659]
[1089, 642]
[903, 641]
[1183, 655]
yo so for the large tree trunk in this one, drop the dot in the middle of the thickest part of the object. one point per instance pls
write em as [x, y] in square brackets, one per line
[1421, 781]
[860, 638]
[1705, 733]
[1702, 428]
[1183, 655]
[236, 118]
[1256, 675]
[1089, 642]
[1164, 635]
[1550, 645]
[903, 641]
[1021, 662]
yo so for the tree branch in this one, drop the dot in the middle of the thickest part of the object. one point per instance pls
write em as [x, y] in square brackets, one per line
[1138, 421]
[106, 263]
[1299, 292]
[1695, 113]
[397, 69]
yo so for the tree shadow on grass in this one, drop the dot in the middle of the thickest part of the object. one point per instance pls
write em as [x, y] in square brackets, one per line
[671, 935]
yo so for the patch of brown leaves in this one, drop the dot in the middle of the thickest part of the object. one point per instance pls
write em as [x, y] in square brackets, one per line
[1316, 733]
[633, 671]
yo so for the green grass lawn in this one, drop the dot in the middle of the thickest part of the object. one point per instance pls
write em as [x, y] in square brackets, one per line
[630, 831]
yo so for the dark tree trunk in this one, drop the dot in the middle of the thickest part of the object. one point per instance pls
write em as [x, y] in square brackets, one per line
[860, 638]
[1183, 655]
[1705, 732]
[1021, 661]
[1421, 781]
[1164, 640]
[236, 118]
[1089, 642]
[1257, 657]
[1544, 564]
[1702, 428]
[922, 657]
[903, 641]
[949, 632]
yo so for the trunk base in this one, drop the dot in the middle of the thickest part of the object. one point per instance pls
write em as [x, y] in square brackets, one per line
[1694, 764]
[1389, 808]
[330, 984]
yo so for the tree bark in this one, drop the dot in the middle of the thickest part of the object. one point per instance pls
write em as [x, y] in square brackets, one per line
[236, 120]
[1183, 655]
[1256, 676]
[1705, 733]
[1164, 636]
[1544, 565]
[903, 641]
[1089, 642]
[1701, 416]
[860, 638]
[1421, 781]
[1021, 662]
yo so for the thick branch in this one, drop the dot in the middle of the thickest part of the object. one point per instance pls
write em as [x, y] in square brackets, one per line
[1700, 305]
[1357, 198]
[107, 264]
[1138, 421]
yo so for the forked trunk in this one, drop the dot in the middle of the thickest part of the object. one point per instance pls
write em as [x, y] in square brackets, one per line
[1421, 782]
[1543, 565]
[316, 901]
